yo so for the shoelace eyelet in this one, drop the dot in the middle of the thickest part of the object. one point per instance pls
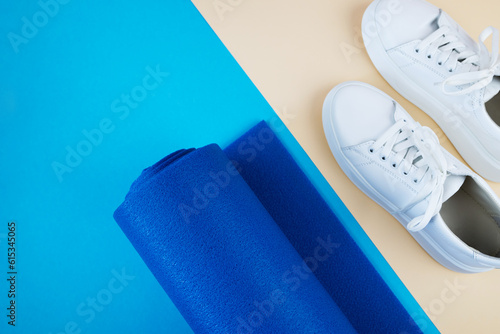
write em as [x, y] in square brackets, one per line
[383, 158]
[429, 56]
[417, 50]
[371, 150]
[394, 165]
[415, 181]
[405, 173]
[440, 63]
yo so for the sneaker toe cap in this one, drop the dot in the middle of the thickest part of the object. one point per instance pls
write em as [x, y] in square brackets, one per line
[358, 113]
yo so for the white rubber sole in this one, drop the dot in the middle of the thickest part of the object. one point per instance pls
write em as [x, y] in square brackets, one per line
[462, 138]
[426, 241]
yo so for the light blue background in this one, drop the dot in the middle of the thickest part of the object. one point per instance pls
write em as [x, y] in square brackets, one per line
[63, 81]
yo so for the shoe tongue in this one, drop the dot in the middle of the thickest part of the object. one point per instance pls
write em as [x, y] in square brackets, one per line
[453, 182]
[398, 113]
[492, 89]
[424, 22]
[452, 185]
[446, 20]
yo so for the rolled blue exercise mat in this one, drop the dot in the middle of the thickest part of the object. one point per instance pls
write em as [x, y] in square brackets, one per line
[242, 242]
[218, 253]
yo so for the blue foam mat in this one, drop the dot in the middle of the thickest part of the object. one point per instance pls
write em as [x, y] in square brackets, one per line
[218, 253]
[183, 208]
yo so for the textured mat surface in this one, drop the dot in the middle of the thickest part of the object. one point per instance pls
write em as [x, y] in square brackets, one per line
[247, 243]
[218, 253]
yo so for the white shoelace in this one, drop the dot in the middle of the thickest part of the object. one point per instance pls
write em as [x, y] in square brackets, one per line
[416, 149]
[483, 65]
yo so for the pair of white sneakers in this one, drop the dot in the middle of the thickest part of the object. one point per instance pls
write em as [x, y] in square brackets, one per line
[430, 60]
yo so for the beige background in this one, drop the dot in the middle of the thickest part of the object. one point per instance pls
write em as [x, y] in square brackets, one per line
[295, 51]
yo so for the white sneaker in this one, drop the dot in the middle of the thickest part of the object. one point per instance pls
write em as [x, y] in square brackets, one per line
[430, 60]
[447, 208]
